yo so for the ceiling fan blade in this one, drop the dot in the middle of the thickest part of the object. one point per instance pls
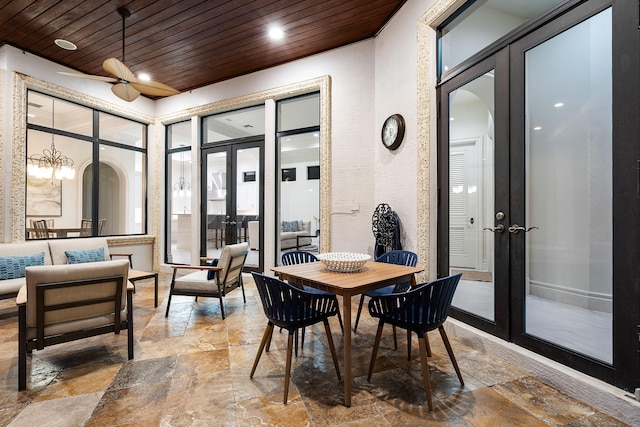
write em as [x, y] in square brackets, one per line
[118, 69]
[125, 91]
[90, 76]
[154, 88]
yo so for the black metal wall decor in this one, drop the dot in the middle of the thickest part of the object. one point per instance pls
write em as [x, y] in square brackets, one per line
[386, 229]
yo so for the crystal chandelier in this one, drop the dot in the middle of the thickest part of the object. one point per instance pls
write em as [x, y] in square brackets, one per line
[51, 163]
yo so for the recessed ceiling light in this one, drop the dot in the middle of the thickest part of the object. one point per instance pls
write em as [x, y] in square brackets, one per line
[537, 128]
[276, 33]
[144, 76]
[65, 44]
[558, 104]
[451, 119]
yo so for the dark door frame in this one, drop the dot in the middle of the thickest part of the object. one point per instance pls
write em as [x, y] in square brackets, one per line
[231, 148]
[625, 371]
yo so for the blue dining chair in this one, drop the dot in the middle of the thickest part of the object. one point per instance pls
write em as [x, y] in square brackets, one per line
[292, 308]
[420, 310]
[303, 257]
[398, 257]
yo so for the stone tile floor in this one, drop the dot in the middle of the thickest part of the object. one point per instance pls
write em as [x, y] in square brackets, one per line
[192, 369]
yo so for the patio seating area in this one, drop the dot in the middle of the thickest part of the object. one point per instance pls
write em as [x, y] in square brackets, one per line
[92, 383]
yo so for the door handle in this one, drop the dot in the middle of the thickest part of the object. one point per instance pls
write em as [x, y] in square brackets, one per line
[498, 228]
[515, 228]
[230, 222]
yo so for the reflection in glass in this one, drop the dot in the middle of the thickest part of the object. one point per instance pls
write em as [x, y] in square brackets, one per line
[471, 194]
[300, 112]
[248, 199]
[299, 198]
[482, 23]
[123, 131]
[568, 140]
[121, 191]
[216, 182]
[50, 197]
[235, 124]
[47, 111]
[179, 207]
[68, 203]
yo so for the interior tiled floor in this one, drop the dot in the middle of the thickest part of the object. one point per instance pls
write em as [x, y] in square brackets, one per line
[192, 368]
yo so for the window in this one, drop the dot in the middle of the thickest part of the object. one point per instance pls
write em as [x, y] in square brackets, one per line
[479, 23]
[86, 170]
[298, 121]
[179, 192]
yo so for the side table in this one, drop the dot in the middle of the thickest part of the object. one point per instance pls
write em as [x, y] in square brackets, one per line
[135, 275]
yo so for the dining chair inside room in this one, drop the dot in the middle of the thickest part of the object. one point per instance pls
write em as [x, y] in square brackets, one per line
[86, 227]
[398, 257]
[40, 228]
[420, 310]
[101, 223]
[292, 308]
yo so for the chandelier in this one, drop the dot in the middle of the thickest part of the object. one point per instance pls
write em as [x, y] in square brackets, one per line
[51, 163]
[181, 186]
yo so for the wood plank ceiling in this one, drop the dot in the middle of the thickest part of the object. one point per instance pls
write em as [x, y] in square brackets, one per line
[189, 43]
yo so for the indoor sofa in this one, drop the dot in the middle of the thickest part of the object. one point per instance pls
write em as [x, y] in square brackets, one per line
[293, 234]
[15, 257]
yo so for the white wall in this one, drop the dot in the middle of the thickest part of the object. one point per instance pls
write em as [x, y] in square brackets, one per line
[369, 81]
[352, 130]
[396, 92]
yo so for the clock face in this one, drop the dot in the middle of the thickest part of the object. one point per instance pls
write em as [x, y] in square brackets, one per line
[390, 131]
[393, 131]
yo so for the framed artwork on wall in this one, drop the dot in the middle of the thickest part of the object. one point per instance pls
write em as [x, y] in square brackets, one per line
[313, 172]
[44, 197]
[288, 174]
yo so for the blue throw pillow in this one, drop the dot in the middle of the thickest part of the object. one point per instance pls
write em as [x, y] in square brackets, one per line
[12, 267]
[86, 255]
[212, 273]
[289, 225]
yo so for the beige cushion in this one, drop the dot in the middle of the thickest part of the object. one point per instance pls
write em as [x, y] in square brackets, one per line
[62, 273]
[197, 281]
[228, 252]
[10, 286]
[58, 246]
[26, 248]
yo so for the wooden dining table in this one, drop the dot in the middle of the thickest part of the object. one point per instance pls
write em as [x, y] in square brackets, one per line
[373, 275]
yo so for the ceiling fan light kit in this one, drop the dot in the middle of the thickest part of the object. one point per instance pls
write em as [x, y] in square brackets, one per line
[127, 86]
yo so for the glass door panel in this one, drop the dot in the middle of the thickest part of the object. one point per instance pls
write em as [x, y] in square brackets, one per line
[216, 202]
[232, 179]
[471, 194]
[248, 199]
[568, 174]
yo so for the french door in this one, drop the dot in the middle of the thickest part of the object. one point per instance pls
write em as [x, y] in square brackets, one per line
[528, 196]
[232, 194]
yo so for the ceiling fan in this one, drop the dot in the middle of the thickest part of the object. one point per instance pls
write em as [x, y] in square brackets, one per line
[128, 87]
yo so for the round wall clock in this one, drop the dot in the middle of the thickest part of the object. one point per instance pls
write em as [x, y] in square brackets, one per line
[393, 131]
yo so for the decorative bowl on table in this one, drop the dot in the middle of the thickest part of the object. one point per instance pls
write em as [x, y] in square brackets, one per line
[343, 262]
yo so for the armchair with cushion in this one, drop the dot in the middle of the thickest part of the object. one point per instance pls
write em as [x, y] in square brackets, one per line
[212, 281]
[62, 303]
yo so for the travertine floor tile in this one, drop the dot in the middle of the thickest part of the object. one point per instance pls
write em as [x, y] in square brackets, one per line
[192, 369]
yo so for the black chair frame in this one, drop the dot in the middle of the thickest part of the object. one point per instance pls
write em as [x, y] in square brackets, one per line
[422, 309]
[292, 308]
